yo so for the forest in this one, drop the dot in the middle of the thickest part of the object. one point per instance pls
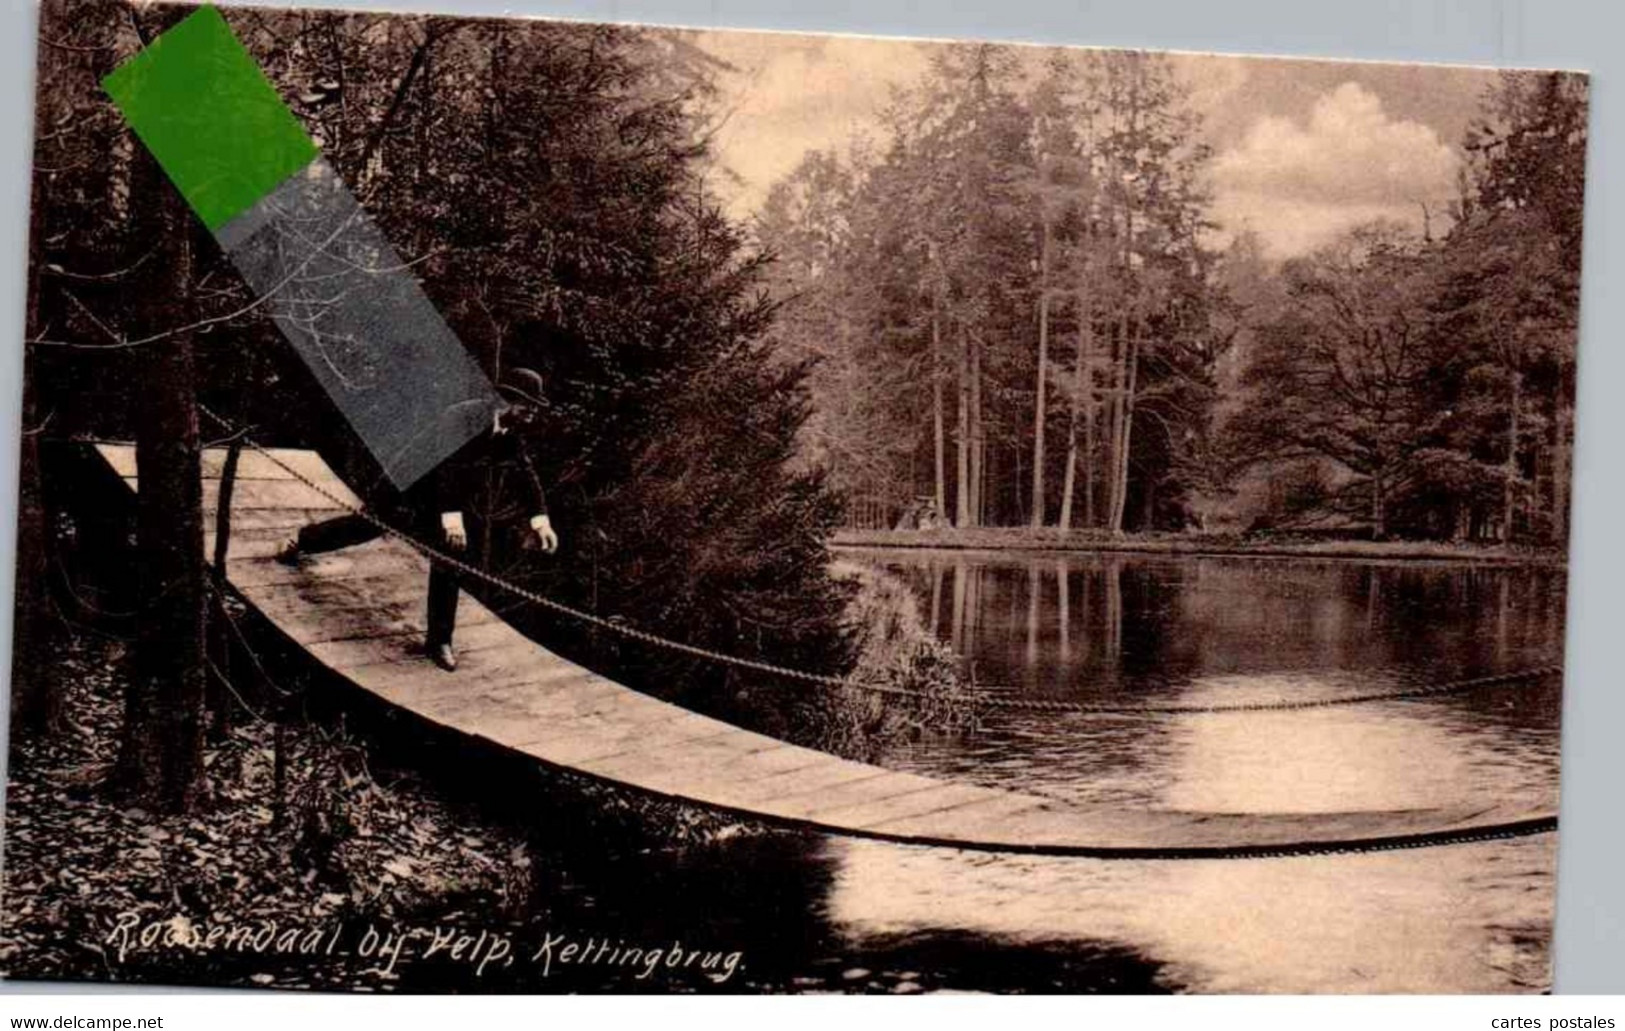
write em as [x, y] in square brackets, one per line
[1020, 312]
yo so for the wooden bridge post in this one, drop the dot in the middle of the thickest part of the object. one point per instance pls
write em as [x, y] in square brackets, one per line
[219, 643]
[222, 509]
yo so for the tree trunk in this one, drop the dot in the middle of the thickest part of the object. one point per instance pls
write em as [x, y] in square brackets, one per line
[1126, 407]
[1560, 471]
[160, 761]
[1039, 398]
[1114, 420]
[1127, 353]
[35, 697]
[978, 452]
[1069, 476]
[218, 702]
[936, 402]
[1090, 414]
[1379, 508]
[1129, 327]
[962, 498]
[1509, 486]
[1119, 391]
[1082, 380]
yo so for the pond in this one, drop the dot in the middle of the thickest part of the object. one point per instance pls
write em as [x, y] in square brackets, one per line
[1128, 629]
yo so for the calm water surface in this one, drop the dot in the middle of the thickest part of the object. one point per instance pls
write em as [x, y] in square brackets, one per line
[1123, 629]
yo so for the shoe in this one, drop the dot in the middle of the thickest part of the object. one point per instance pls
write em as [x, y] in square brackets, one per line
[444, 656]
[288, 553]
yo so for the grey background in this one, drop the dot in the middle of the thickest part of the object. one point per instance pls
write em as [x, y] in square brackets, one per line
[1582, 34]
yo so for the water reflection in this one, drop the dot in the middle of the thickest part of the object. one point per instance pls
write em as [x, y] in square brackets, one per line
[1103, 624]
[1468, 918]
[1204, 630]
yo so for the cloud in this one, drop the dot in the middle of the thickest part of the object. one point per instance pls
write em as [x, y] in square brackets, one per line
[790, 94]
[1297, 185]
[1213, 80]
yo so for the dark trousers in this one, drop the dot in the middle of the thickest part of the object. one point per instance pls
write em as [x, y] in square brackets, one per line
[346, 531]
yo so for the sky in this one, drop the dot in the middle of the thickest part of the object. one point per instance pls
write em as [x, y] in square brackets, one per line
[1302, 149]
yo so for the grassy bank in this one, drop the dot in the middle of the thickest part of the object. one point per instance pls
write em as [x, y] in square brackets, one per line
[898, 652]
[1006, 538]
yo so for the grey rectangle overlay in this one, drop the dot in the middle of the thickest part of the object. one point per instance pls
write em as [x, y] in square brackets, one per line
[359, 319]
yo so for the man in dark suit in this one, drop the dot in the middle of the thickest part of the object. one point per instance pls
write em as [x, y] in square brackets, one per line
[438, 508]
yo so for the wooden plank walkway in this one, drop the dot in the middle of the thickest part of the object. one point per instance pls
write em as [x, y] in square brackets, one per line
[360, 612]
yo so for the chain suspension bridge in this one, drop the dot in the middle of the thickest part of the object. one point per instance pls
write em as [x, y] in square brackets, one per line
[360, 613]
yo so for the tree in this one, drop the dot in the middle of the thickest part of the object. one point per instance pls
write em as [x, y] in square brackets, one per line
[1130, 226]
[845, 321]
[1461, 427]
[974, 145]
[1001, 219]
[161, 757]
[1514, 267]
[1342, 373]
[1046, 112]
[160, 761]
[549, 178]
[545, 182]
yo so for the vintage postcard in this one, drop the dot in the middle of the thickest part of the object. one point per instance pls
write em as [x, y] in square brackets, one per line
[522, 506]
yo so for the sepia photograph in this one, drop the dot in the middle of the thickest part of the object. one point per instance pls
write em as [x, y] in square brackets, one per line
[525, 506]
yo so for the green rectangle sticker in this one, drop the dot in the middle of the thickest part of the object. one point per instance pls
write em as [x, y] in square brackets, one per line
[216, 125]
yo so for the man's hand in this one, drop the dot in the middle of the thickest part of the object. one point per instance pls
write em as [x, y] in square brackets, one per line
[456, 536]
[543, 528]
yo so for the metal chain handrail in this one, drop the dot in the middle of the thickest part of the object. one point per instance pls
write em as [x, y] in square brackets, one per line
[978, 698]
